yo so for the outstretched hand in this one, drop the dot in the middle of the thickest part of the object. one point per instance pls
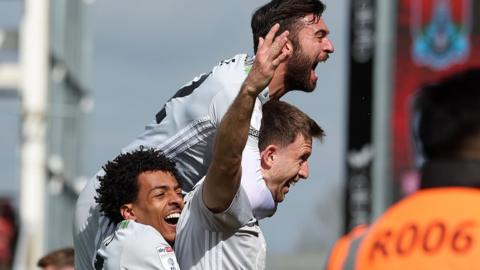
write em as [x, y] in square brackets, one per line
[270, 55]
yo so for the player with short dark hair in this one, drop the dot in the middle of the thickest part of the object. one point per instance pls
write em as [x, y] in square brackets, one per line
[282, 122]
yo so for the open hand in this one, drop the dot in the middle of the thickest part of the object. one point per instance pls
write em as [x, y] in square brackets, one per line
[269, 55]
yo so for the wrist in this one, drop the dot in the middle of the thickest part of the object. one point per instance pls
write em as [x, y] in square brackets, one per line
[250, 89]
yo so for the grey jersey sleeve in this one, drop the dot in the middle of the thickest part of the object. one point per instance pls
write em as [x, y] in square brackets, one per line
[237, 214]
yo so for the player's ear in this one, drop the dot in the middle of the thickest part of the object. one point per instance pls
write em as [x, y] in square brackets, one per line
[267, 156]
[127, 212]
[288, 48]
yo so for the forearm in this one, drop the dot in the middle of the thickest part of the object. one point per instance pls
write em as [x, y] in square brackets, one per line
[223, 176]
[229, 143]
[232, 133]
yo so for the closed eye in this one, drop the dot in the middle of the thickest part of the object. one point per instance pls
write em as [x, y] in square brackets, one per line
[304, 157]
[320, 34]
[157, 195]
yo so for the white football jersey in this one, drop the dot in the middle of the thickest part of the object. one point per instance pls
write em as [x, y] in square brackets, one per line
[228, 240]
[184, 130]
[135, 246]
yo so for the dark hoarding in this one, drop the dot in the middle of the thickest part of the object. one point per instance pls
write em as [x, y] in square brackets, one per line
[358, 204]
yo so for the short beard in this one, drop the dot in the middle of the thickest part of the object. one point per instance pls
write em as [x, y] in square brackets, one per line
[298, 72]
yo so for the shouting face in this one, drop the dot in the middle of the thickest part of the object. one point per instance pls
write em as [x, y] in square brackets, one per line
[311, 46]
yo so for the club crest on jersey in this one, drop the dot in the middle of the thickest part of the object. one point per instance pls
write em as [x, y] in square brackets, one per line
[167, 257]
[441, 38]
[165, 249]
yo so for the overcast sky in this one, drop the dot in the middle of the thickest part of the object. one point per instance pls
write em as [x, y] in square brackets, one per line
[144, 51]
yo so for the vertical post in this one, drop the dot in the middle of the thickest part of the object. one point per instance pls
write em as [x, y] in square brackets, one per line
[34, 59]
[383, 85]
[358, 199]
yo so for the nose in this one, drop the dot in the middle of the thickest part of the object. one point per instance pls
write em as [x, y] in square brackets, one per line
[177, 200]
[303, 172]
[329, 45]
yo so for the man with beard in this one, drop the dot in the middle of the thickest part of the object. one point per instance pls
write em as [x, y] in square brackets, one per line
[217, 229]
[185, 126]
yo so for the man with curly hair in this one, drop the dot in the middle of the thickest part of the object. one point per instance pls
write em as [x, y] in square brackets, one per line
[139, 194]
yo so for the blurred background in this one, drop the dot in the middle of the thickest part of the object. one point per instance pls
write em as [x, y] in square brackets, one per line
[79, 80]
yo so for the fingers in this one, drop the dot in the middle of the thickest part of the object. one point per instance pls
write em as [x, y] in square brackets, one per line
[277, 61]
[278, 45]
[270, 54]
[271, 34]
[269, 40]
[260, 42]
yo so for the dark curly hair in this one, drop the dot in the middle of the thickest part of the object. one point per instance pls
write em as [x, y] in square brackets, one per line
[119, 185]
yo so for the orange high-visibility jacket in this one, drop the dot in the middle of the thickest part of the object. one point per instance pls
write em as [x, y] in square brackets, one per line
[435, 228]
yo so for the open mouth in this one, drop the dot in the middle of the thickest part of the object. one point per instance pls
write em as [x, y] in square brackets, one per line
[288, 184]
[172, 218]
[313, 74]
[292, 183]
[324, 59]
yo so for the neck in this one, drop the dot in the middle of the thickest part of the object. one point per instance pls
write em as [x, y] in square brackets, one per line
[276, 88]
[451, 173]
[470, 147]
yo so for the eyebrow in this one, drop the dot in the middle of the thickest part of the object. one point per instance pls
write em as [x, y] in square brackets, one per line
[322, 32]
[165, 187]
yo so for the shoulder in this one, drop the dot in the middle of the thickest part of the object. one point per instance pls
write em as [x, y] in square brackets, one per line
[136, 245]
[145, 235]
[133, 237]
[228, 77]
[234, 69]
[197, 213]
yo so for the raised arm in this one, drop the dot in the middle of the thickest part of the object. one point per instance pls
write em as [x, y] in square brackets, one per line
[223, 177]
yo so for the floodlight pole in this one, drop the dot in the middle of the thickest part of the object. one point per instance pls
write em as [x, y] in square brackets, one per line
[34, 81]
